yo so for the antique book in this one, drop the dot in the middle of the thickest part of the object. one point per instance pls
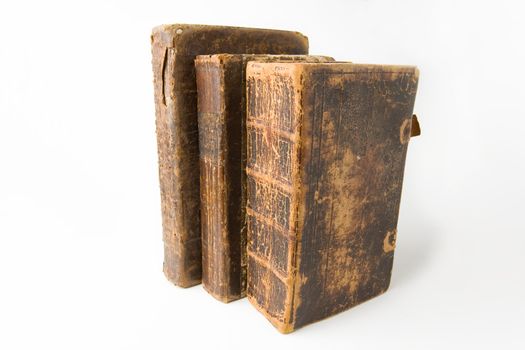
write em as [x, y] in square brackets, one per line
[222, 141]
[174, 48]
[326, 152]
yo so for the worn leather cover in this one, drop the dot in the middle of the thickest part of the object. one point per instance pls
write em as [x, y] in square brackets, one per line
[326, 153]
[174, 48]
[222, 141]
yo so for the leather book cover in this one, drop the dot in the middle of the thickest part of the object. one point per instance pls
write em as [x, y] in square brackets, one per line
[326, 151]
[222, 141]
[174, 48]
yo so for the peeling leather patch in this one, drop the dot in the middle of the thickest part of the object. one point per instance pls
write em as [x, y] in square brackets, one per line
[389, 243]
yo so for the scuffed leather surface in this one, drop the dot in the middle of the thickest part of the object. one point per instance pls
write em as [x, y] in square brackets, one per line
[325, 171]
[174, 48]
[222, 140]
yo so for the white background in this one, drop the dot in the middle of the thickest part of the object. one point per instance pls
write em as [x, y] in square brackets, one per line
[80, 226]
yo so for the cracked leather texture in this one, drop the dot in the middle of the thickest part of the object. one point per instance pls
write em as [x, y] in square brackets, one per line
[222, 141]
[174, 48]
[326, 151]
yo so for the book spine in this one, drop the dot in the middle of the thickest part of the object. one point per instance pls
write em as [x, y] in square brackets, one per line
[218, 257]
[174, 128]
[273, 136]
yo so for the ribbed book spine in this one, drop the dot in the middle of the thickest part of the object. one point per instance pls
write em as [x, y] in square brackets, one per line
[272, 188]
[327, 146]
[219, 86]
[222, 137]
[174, 49]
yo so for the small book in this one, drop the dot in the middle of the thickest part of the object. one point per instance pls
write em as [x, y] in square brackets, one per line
[174, 48]
[222, 141]
[326, 152]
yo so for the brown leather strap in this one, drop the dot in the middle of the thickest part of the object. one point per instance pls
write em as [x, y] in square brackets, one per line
[416, 129]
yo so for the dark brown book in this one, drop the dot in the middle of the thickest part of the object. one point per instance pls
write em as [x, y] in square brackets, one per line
[174, 48]
[326, 153]
[222, 141]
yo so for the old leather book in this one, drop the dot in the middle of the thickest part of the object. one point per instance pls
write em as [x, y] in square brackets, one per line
[326, 153]
[174, 48]
[222, 141]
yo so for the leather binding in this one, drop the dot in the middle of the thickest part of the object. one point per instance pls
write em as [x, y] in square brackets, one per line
[326, 151]
[222, 141]
[174, 48]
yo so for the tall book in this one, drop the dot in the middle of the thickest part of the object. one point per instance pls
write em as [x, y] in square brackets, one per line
[222, 141]
[174, 48]
[326, 153]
